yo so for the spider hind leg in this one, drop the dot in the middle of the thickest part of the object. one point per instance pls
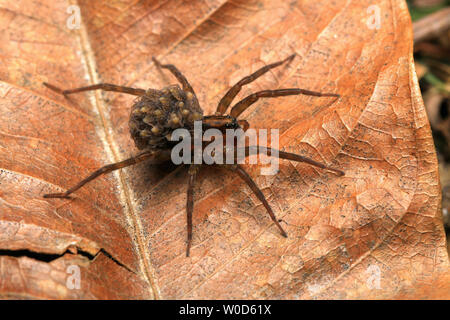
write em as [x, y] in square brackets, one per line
[193, 170]
[99, 86]
[258, 193]
[103, 170]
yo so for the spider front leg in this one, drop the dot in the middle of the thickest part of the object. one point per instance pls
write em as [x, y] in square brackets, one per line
[242, 105]
[101, 86]
[103, 170]
[234, 90]
[247, 179]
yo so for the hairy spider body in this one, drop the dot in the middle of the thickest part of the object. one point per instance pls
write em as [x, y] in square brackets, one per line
[157, 113]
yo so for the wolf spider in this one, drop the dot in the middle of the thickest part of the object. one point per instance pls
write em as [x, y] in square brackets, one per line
[158, 112]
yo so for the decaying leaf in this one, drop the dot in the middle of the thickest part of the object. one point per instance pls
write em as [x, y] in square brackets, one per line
[374, 233]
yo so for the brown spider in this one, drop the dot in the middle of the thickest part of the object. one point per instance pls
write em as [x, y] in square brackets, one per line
[157, 113]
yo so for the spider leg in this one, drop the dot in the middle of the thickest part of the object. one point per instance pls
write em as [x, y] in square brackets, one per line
[177, 73]
[290, 156]
[234, 90]
[190, 204]
[101, 86]
[244, 124]
[247, 179]
[242, 105]
[106, 169]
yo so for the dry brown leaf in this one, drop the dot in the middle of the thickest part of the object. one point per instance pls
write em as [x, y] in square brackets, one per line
[375, 233]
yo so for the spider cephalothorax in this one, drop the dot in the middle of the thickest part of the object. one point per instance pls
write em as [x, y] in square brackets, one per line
[157, 113]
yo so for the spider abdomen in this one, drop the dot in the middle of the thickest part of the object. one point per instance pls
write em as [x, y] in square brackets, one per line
[157, 113]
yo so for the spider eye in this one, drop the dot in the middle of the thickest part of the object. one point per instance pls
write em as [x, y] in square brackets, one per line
[235, 124]
[231, 125]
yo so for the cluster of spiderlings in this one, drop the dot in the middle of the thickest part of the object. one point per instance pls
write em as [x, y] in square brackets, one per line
[156, 114]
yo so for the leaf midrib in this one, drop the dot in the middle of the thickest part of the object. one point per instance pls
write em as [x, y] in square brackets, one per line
[111, 149]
